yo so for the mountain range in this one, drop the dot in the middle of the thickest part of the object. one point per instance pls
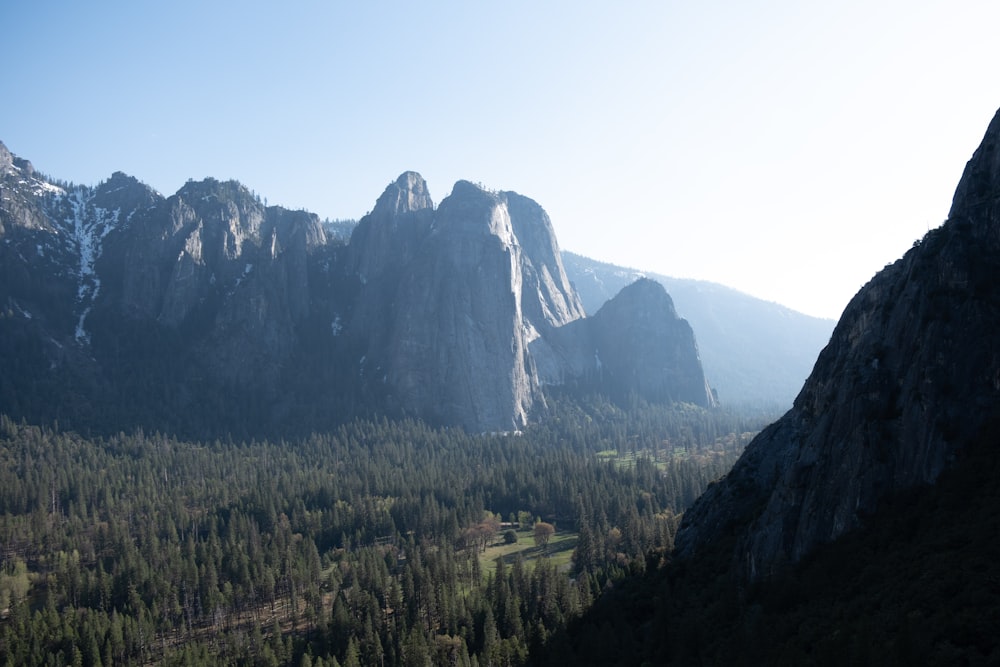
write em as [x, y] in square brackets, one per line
[208, 312]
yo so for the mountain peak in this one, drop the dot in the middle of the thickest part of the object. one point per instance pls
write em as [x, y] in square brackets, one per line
[124, 191]
[649, 291]
[463, 188]
[207, 187]
[119, 180]
[120, 177]
[6, 157]
[473, 210]
[406, 194]
[9, 161]
[980, 182]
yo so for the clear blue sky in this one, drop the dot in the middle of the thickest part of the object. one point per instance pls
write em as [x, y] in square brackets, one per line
[789, 149]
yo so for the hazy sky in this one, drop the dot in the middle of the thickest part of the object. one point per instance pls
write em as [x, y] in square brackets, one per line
[789, 149]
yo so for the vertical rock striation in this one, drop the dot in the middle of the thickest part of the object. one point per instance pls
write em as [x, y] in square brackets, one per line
[458, 350]
[452, 298]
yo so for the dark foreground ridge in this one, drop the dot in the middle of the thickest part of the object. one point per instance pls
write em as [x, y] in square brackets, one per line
[910, 377]
[860, 527]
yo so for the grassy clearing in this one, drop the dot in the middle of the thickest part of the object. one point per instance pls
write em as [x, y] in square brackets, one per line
[627, 459]
[671, 453]
[559, 551]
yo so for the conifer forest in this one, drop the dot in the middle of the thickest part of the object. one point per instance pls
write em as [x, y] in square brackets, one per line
[380, 543]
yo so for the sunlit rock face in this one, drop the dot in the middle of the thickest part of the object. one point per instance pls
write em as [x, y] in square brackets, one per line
[482, 316]
[911, 374]
[458, 349]
[472, 283]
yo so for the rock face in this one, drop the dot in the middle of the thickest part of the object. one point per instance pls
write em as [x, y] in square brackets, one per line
[912, 372]
[471, 284]
[459, 327]
[210, 309]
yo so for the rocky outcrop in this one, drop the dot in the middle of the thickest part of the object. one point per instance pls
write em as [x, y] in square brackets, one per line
[213, 261]
[451, 307]
[458, 350]
[389, 236]
[22, 195]
[911, 374]
[471, 314]
[548, 298]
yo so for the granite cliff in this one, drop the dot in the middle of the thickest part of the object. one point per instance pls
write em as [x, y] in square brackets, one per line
[910, 377]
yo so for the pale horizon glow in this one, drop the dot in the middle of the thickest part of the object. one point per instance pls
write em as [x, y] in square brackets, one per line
[789, 150]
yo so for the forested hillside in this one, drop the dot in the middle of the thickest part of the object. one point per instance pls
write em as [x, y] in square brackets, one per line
[383, 542]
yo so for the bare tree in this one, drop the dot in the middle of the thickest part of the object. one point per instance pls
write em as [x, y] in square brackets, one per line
[543, 531]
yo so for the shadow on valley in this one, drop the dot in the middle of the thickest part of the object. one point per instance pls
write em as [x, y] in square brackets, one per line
[918, 584]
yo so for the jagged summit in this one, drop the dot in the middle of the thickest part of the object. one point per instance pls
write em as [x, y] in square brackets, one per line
[406, 194]
[120, 178]
[390, 234]
[910, 376]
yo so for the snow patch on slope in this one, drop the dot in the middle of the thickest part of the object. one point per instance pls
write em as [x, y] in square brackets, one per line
[86, 225]
[29, 181]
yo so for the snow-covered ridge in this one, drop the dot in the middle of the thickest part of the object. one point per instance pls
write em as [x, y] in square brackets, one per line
[28, 180]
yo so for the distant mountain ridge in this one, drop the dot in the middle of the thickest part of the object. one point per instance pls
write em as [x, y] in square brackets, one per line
[210, 310]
